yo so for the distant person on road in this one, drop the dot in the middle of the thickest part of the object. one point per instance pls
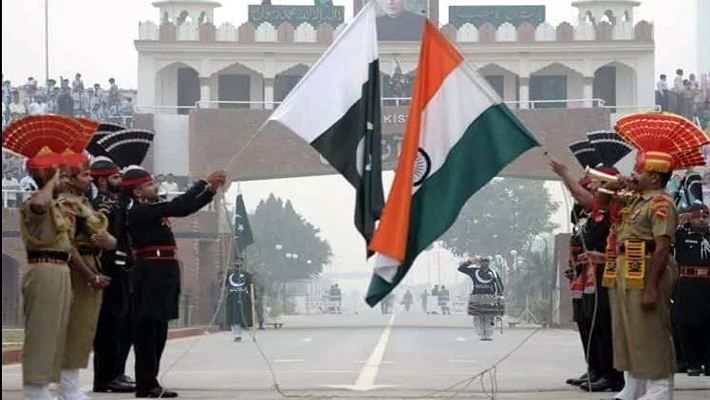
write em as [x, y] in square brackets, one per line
[443, 300]
[407, 300]
[425, 299]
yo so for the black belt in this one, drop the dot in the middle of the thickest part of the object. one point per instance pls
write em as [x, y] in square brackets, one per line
[47, 256]
[650, 247]
[160, 254]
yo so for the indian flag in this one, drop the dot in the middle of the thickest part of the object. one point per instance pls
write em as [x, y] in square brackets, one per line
[459, 135]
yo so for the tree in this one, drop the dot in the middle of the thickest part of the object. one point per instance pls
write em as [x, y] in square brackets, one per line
[279, 233]
[532, 279]
[503, 216]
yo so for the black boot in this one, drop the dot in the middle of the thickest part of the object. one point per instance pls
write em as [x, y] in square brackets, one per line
[578, 381]
[115, 386]
[601, 385]
[157, 393]
[695, 371]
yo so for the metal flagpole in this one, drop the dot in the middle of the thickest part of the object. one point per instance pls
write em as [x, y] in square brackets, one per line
[46, 41]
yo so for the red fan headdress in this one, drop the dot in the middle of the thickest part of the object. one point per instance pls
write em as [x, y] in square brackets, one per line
[45, 140]
[665, 141]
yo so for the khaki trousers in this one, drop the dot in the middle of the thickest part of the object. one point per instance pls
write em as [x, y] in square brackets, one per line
[83, 320]
[46, 297]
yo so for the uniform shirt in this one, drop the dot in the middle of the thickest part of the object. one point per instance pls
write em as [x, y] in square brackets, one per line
[485, 280]
[148, 223]
[692, 248]
[648, 216]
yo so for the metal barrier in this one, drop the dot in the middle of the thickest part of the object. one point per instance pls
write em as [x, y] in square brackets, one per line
[386, 101]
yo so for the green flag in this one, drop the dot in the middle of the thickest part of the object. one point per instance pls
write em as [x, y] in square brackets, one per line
[242, 230]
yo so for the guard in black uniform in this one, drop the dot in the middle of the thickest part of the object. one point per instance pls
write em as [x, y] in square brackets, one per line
[156, 273]
[113, 322]
[115, 148]
[592, 310]
[692, 293]
[486, 300]
[239, 307]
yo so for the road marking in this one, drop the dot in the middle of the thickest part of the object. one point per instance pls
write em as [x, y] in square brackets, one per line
[368, 373]
[464, 361]
[381, 363]
[288, 360]
[307, 339]
[461, 339]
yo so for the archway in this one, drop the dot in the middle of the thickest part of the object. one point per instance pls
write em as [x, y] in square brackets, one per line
[553, 85]
[614, 83]
[286, 80]
[180, 86]
[504, 81]
[11, 304]
[238, 85]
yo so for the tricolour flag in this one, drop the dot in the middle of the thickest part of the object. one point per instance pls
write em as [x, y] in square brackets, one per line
[459, 135]
[336, 108]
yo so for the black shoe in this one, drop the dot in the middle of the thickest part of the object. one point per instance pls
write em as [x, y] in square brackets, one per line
[694, 371]
[114, 386]
[126, 379]
[157, 393]
[601, 385]
[577, 381]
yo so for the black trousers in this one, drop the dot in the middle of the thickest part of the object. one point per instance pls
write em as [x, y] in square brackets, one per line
[601, 352]
[107, 348]
[149, 336]
[584, 327]
[125, 342]
[695, 342]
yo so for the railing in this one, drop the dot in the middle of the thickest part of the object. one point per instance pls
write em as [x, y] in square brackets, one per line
[386, 101]
[11, 198]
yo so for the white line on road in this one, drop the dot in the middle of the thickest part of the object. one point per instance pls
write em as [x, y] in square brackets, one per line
[464, 361]
[368, 374]
[461, 339]
[306, 339]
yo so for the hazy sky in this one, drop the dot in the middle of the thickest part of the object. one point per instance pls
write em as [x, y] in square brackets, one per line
[95, 37]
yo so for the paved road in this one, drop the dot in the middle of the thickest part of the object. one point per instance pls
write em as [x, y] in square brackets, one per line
[352, 356]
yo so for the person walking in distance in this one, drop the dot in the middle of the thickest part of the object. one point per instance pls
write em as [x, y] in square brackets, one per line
[156, 273]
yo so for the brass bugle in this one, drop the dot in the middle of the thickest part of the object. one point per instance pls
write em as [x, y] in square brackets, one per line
[621, 193]
[600, 176]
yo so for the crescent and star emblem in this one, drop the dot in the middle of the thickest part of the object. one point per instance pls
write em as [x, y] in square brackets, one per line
[478, 277]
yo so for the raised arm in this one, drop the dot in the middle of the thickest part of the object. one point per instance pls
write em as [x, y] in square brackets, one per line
[196, 197]
[42, 199]
[580, 194]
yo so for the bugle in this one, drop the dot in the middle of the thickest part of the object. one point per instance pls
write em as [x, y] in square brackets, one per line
[600, 176]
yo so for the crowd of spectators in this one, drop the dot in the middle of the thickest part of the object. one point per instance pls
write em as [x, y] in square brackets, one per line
[687, 96]
[67, 98]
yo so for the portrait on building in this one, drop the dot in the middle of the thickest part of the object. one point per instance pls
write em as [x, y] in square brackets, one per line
[401, 20]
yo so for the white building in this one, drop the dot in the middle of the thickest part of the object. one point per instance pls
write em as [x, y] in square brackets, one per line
[185, 60]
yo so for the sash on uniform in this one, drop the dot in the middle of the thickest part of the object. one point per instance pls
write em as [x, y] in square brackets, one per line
[609, 277]
[635, 260]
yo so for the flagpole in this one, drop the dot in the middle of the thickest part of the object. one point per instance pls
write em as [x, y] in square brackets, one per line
[46, 41]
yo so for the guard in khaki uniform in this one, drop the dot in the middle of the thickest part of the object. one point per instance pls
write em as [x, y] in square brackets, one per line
[46, 234]
[641, 276]
[90, 238]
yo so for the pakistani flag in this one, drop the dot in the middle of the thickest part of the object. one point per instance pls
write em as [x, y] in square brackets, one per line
[242, 230]
[459, 135]
[336, 108]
